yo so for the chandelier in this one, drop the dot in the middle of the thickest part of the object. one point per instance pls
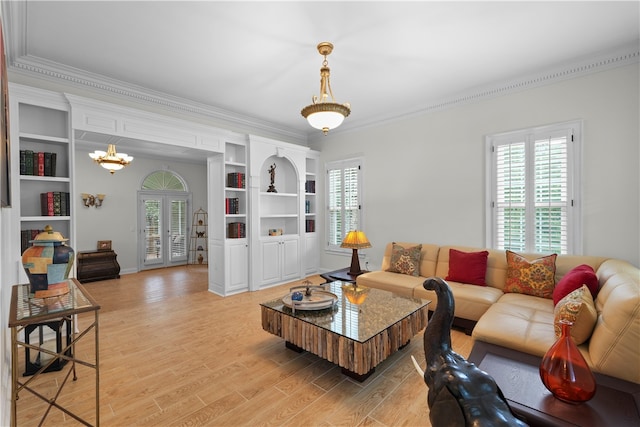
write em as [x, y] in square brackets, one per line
[111, 160]
[325, 113]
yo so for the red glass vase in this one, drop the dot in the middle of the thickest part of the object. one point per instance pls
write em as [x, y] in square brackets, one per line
[564, 372]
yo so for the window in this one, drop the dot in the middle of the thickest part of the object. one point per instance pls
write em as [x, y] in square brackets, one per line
[344, 204]
[532, 185]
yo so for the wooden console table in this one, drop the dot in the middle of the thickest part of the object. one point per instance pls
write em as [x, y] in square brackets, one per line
[24, 312]
[97, 265]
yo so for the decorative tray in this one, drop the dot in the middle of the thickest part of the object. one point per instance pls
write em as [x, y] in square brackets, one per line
[313, 298]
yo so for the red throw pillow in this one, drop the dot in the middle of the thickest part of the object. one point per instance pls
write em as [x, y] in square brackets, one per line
[468, 267]
[574, 279]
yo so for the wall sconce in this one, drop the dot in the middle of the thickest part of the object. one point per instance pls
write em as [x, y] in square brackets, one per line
[91, 200]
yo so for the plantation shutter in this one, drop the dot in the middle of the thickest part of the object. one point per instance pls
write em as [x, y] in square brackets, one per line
[343, 200]
[511, 196]
[533, 179]
[178, 233]
[551, 202]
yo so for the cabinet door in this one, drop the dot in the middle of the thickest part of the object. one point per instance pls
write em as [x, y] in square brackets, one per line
[290, 259]
[270, 253]
[311, 254]
[237, 267]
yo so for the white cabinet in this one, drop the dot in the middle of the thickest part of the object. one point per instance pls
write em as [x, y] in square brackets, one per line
[280, 259]
[311, 253]
[42, 173]
[236, 266]
[280, 239]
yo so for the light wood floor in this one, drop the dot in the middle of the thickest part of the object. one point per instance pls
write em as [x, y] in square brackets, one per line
[171, 353]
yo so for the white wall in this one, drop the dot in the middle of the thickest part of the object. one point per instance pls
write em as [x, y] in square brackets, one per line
[116, 219]
[424, 176]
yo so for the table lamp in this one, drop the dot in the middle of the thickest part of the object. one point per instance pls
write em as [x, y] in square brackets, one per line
[355, 240]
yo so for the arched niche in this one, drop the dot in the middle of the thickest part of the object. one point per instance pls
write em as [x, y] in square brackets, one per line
[286, 175]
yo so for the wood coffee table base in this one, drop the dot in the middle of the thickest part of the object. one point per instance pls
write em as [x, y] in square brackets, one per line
[345, 371]
[358, 358]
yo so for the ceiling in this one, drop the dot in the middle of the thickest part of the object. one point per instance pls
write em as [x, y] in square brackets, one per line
[255, 64]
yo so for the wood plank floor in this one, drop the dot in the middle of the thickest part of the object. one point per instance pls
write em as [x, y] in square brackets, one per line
[173, 354]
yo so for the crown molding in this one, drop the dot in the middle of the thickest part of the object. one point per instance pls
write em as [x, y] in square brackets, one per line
[622, 56]
[53, 72]
[34, 67]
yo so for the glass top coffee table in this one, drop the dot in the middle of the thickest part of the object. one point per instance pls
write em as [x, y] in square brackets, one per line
[356, 337]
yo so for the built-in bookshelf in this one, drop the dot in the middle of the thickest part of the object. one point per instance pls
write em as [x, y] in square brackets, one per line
[310, 198]
[311, 206]
[44, 153]
[235, 197]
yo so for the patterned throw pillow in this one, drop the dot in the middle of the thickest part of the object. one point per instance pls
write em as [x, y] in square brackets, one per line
[405, 260]
[578, 308]
[535, 277]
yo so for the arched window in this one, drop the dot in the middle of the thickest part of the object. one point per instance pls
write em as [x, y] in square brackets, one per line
[164, 180]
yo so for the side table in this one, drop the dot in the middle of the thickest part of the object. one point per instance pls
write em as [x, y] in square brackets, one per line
[342, 275]
[25, 311]
[97, 265]
[616, 403]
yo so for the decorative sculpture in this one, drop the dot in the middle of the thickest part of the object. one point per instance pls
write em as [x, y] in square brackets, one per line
[460, 394]
[272, 174]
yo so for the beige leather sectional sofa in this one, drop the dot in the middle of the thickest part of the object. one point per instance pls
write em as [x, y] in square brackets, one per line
[524, 322]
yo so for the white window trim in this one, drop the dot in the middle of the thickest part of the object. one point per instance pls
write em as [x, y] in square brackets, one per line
[341, 164]
[575, 237]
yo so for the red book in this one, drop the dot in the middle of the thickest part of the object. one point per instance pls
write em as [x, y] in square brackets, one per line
[41, 163]
[46, 204]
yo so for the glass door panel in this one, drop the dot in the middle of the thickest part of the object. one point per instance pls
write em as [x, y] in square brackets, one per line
[153, 237]
[178, 230]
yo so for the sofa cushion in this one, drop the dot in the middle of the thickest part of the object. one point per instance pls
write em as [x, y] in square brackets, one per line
[405, 260]
[402, 284]
[614, 343]
[468, 267]
[518, 321]
[471, 302]
[581, 275]
[578, 308]
[535, 277]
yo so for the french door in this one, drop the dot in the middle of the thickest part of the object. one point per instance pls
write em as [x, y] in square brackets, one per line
[163, 221]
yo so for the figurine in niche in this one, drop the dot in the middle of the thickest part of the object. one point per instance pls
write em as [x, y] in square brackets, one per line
[272, 174]
[199, 233]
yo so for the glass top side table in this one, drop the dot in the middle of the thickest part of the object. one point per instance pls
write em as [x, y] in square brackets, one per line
[26, 310]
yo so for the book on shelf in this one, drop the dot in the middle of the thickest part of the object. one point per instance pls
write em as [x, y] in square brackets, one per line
[46, 203]
[37, 163]
[64, 204]
[26, 156]
[232, 205]
[310, 186]
[51, 203]
[57, 202]
[236, 230]
[26, 236]
[40, 163]
[236, 180]
[310, 225]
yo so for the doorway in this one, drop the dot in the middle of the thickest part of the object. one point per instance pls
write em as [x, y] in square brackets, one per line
[163, 221]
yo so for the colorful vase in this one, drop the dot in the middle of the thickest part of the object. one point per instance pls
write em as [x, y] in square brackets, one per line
[48, 260]
[565, 372]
